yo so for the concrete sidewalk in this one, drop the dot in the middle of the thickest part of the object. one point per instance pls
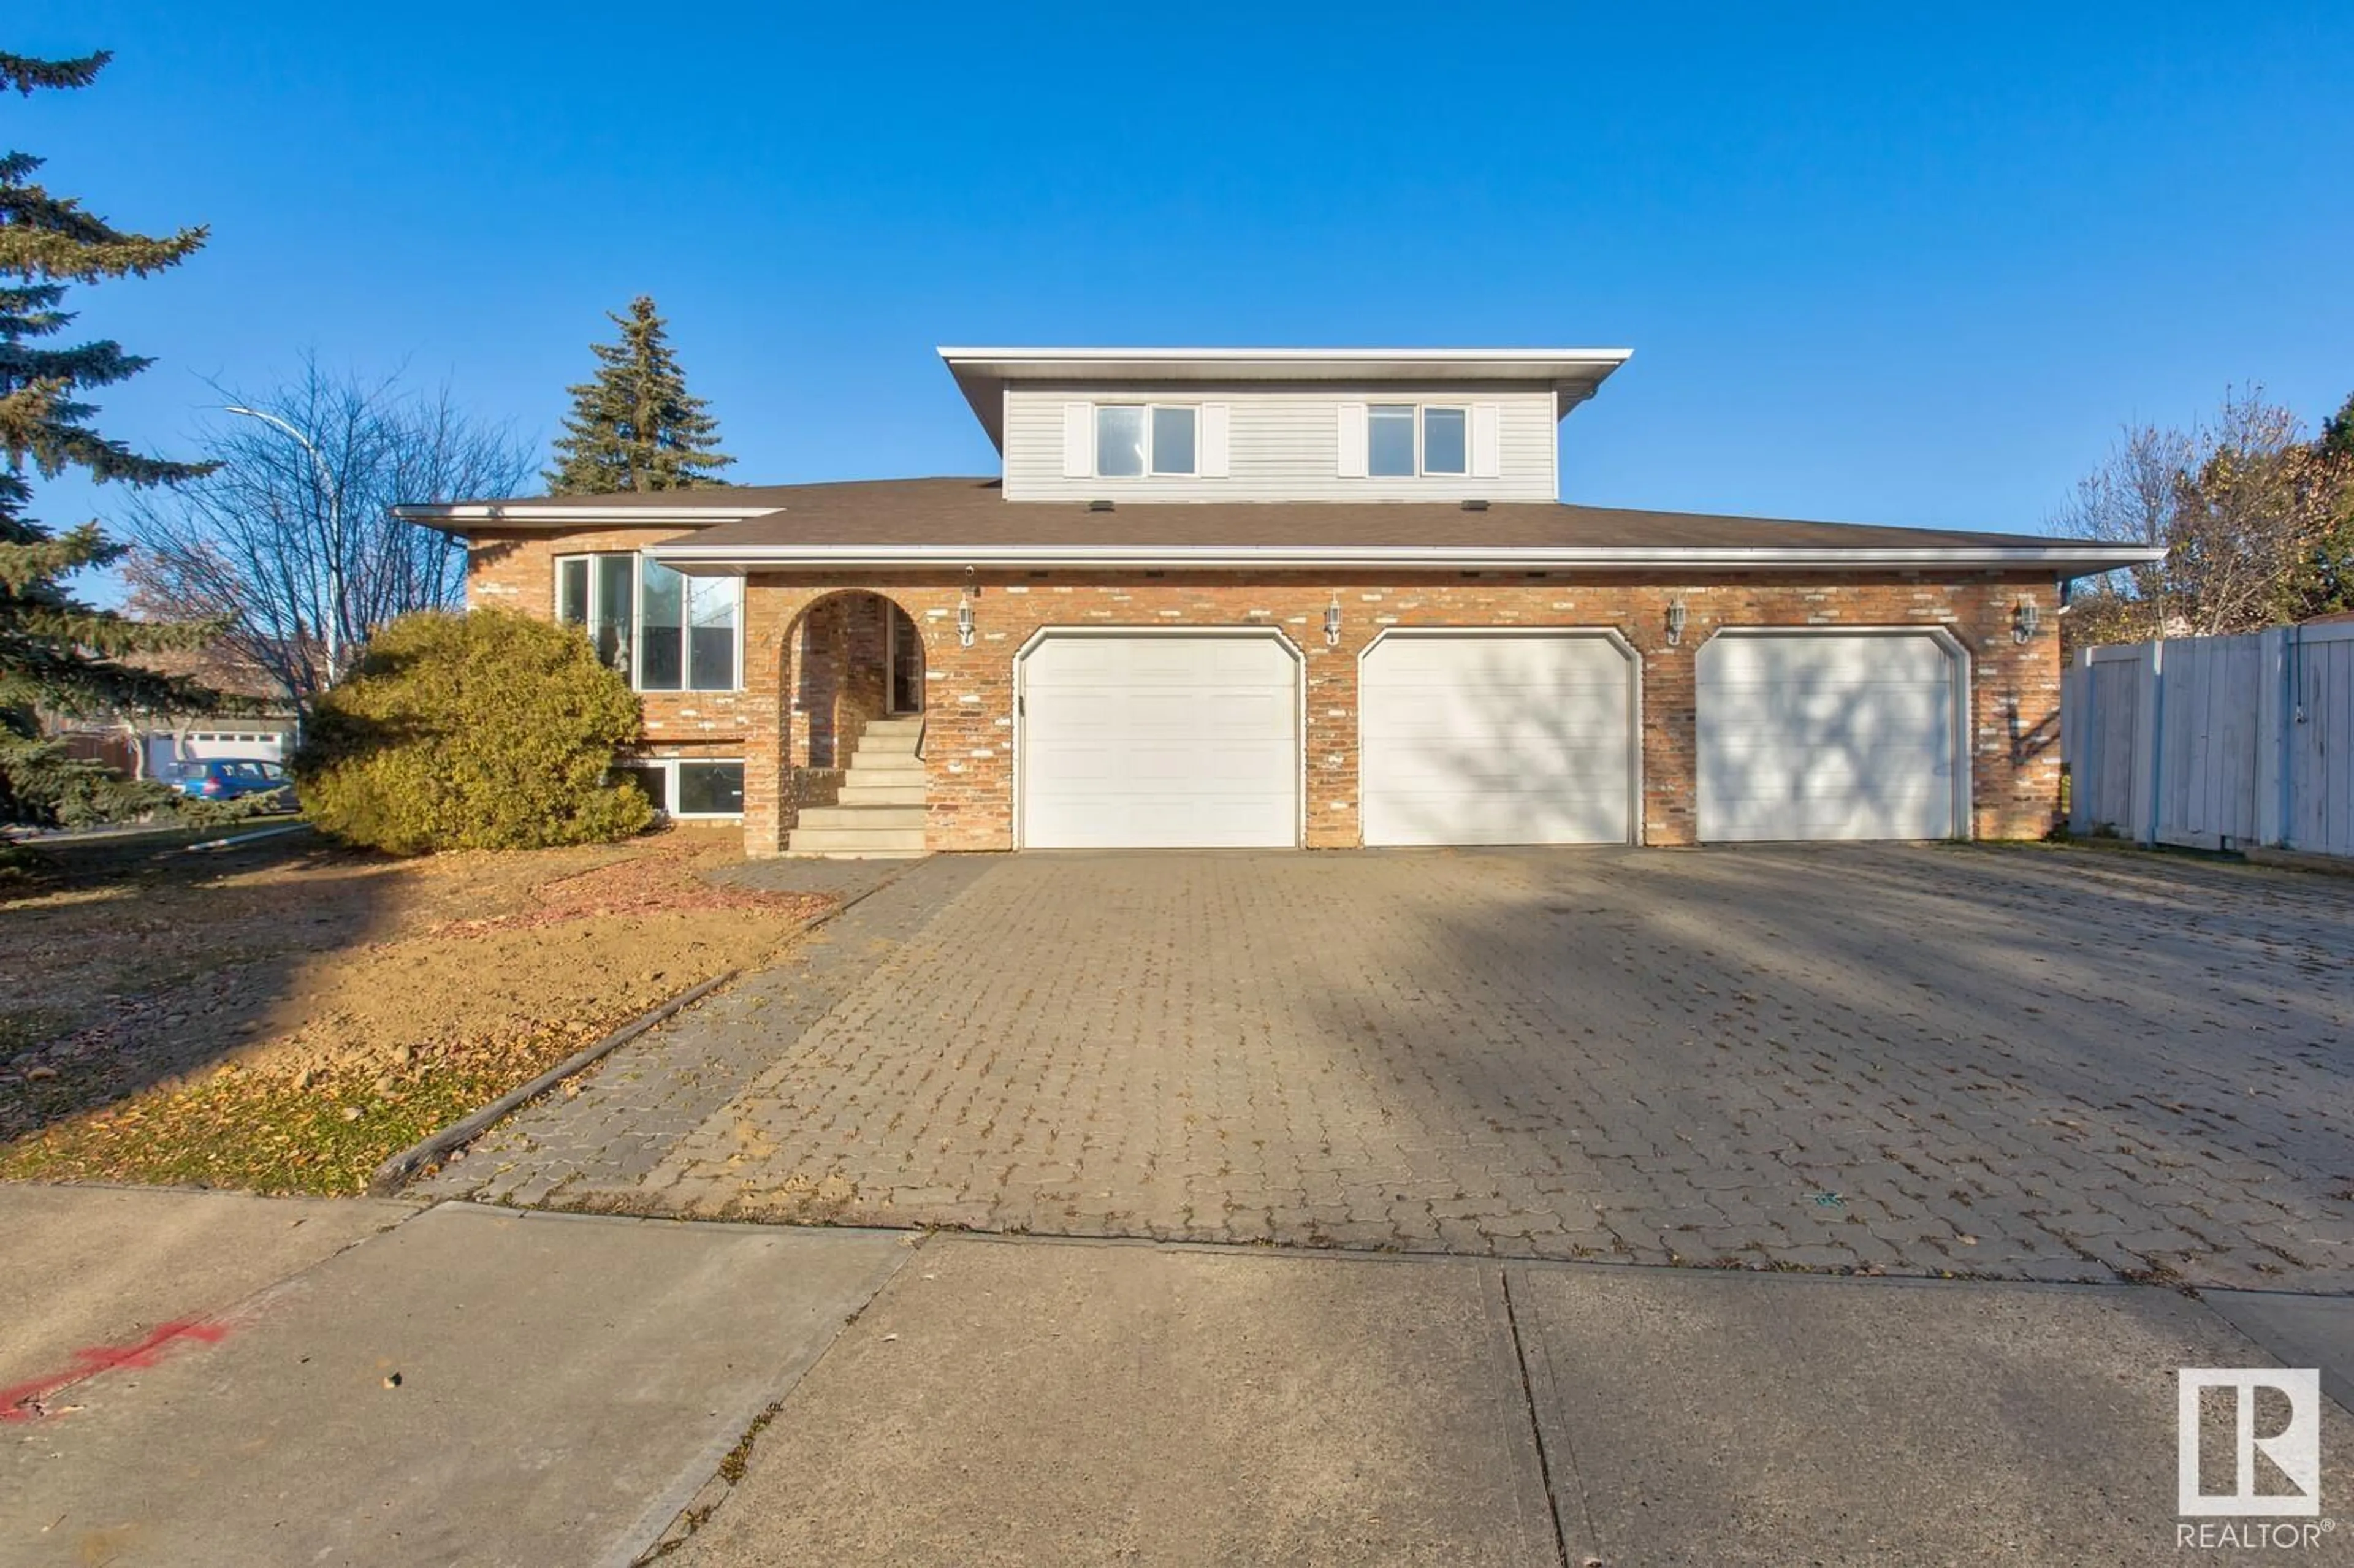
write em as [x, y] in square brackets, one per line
[1023, 1403]
[479, 1386]
[91, 1268]
[475, 1386]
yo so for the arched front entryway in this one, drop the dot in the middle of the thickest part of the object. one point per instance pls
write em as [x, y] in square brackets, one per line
[851, 658]
[852, 723]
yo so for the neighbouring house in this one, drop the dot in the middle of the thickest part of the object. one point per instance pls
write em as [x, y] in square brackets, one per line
[1304, 596]
[258, 721]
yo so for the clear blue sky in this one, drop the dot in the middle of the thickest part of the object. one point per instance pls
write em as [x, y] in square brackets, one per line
[1874, 267]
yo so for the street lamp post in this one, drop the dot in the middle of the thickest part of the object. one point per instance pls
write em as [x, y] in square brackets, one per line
[333, 619]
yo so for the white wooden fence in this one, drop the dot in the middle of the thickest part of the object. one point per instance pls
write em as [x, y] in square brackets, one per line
[2215, 742]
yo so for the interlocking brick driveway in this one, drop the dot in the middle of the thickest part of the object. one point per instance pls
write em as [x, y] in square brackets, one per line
[2021, 1062]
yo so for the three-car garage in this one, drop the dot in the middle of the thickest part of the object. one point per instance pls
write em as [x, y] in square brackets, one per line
[1196, 737]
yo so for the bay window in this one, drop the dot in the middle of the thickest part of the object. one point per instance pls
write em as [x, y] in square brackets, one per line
[665, 631]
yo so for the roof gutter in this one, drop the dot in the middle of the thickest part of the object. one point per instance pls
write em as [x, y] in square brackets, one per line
[2072, 560]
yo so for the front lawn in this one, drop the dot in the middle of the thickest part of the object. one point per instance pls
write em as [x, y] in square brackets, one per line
[283, 1016]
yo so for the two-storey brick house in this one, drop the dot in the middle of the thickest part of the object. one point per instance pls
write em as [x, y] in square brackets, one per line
[1317, 598]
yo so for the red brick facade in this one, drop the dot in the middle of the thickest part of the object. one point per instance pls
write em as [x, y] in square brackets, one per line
[519, 572]
[835, 680]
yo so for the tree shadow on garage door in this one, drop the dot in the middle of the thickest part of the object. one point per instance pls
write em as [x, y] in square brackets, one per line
[1511, 749]
[1497, 738]
[1841, 736]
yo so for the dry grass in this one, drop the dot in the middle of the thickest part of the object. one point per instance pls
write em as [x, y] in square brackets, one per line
[285, 1017]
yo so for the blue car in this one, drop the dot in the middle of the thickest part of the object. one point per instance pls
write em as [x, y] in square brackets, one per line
[233, 778]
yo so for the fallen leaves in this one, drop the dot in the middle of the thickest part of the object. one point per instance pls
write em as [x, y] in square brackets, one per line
[290, 1031]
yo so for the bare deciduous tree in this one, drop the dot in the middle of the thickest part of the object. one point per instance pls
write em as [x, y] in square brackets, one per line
[283, 547]
[2246, 508]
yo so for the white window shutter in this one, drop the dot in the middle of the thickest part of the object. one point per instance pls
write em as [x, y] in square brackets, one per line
[1487, 440]
[1352, 440]
[1217, 422]
[1078, 440]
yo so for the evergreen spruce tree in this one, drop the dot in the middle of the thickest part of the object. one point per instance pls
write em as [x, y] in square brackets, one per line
[2333, 589]
[635, 426]
[57, 653]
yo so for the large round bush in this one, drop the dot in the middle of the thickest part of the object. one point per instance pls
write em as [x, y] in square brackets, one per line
[488, 730]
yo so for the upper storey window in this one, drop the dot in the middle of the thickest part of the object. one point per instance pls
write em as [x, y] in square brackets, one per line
[1133, 440]
[1420, 441]
[1403, 440]
[665, 631]
[1446, 440]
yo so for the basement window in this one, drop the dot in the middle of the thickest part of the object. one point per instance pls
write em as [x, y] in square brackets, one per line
[688, 788]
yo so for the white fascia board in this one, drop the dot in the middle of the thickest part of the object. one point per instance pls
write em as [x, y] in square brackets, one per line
[2076, 559]
[524, 514]
[1584, 369]
[983, 373]
[1508, 356]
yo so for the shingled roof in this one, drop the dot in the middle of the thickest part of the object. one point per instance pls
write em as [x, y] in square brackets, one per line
[961, 521]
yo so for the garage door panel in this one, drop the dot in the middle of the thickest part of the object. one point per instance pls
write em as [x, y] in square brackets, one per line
[1504, 818]
[1246, 769]
[1829, 656]
[1517, 738]
[1833, 776]
[1567, 724]
[1592, 772]
[1872, 707]
[1442, 750]
[1167, 741]
[1887, 813]
[1074, 765]
[1863, 735]
[1142, 820]
[1826, 736]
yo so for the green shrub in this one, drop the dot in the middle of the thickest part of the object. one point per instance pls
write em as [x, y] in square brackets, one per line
[488, 730]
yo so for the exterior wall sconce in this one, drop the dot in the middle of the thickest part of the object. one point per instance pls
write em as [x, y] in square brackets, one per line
[2024, 621]
[964, 622]
[1333, 622]
[1676, 615]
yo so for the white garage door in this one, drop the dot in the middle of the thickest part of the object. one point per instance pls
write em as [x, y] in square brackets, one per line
[1497, 738]
[1829, 735]
[268, 746]
[1168, 741]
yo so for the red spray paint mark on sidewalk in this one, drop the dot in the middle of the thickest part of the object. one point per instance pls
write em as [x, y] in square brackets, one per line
[23, 1402]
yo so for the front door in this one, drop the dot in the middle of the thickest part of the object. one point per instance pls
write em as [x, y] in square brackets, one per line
[906, 648]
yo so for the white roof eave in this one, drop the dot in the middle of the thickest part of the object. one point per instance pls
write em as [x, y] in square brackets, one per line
[526, 513]
[2077, 559]
[983, 373]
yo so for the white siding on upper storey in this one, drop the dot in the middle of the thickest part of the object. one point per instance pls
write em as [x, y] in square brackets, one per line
[1283, 444]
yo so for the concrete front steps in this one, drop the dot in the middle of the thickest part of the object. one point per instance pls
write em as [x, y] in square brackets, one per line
[879, 814]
